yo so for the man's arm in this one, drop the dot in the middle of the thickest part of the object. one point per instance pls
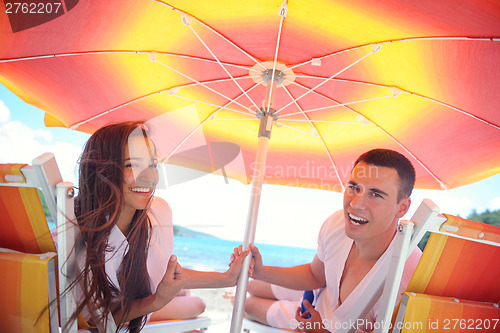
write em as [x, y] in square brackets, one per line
[303, 277]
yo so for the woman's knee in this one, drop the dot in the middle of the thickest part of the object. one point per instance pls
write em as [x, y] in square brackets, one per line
[198, 306]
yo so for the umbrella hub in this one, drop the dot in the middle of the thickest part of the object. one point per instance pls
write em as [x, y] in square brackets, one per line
[263, 73]
[267, 76]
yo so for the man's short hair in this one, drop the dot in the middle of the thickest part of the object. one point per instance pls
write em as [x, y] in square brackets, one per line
[392, 159]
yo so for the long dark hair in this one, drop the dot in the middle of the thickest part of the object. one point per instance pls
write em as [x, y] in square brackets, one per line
[97, 209]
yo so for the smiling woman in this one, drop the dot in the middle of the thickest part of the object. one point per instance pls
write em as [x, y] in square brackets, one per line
[127, 273]
[112, 211]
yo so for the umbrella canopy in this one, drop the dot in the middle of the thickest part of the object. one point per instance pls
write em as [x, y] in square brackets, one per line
[337, 78]
[418, 77]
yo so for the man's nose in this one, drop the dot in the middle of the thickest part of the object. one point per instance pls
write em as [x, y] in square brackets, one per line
[358, 201]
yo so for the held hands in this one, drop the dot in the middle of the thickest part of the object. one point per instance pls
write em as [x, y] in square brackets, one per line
[256, 265]
[171, 284]
[313, 322]
[236, 263]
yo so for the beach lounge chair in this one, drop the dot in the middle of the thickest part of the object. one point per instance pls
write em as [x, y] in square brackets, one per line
[455, 285]
[28, 260]
[32, 273]
[253, 326]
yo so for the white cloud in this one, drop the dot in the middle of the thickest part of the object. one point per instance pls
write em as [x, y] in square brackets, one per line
[449, 202]
[4, 113]
[495, 203]
[21, 144]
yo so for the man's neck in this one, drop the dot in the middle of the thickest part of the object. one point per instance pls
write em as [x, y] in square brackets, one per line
[368, 250]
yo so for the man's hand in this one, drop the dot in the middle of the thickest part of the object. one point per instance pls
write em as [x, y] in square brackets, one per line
[236, 264]
[258, 266]
[314, 323]
[171, 284]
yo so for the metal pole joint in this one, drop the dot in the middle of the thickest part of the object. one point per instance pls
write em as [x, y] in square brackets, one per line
[267, 117]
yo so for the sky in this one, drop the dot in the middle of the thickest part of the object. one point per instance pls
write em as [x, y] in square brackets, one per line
[287, 215]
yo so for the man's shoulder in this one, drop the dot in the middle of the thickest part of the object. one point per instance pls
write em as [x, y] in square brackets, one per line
[336, 220]
[334, 225]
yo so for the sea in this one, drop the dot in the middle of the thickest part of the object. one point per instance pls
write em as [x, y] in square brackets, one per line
[214, 254]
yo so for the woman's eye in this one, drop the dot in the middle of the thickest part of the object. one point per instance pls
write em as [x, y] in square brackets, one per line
[131, 165]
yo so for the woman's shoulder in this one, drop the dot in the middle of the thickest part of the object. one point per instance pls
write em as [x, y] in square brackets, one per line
[160, 208]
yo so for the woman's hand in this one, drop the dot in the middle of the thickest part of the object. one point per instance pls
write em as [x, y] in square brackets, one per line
[236, 264]
[171, 284]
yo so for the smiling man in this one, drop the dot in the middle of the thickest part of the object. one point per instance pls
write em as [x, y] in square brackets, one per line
[352, 244]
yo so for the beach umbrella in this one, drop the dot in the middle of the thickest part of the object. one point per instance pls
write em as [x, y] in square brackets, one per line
[301, 87]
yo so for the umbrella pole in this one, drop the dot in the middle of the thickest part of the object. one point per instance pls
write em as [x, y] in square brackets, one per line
[241, 289]
[267, 117]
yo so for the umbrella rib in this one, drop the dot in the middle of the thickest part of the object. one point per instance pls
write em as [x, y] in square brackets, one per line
[203, 59]
[319, 136]
[213, 81]
[210, 116]
[210, 104]
[292, 67]
[223, 107]
[492, 39]
[442, 184]
[304, 76]
[203, 85]
[326, 97]
[224, 68]
[75, 126]
[194, 84]
[214, 31]
[279, 124]
[282, 18]
[327, 121]
[389, 87]
[325, 81]
[238, 119]
[334, 106]
[453, 108]
[56, 55]
[168, 90]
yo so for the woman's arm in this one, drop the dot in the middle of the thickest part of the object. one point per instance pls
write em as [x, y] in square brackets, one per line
[215, 279]
[303, 277]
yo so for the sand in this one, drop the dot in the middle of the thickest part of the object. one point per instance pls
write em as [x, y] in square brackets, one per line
[218, 308]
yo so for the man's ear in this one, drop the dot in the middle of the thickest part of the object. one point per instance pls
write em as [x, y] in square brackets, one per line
[404, 205]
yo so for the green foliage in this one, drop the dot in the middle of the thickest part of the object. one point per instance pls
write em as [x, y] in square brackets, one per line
[186, 232]
[44, 203]
[488, 217]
